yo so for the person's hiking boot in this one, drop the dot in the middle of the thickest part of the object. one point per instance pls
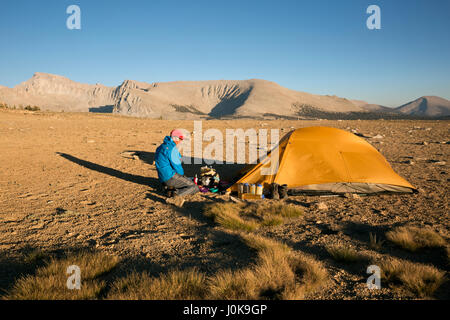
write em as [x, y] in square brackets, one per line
[170, 193]
[176, 201]
[275, 194]
[282, 191]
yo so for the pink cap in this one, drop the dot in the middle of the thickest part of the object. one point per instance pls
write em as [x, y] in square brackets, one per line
[177, 133]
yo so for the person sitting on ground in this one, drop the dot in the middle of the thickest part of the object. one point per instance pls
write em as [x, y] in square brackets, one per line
[170, 170]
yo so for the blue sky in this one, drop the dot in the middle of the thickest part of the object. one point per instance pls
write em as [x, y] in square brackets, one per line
[321, 47]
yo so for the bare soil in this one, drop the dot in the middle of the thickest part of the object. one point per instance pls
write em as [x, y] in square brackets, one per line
[70, 181]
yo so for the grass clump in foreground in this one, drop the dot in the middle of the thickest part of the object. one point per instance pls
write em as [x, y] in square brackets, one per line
[277, 274]
[342, 253]
[249, 217]
[414, 238]
[281, 210]
[50, 281]
[227, 215]
[417, 279]
[36, 258]
[175, 285]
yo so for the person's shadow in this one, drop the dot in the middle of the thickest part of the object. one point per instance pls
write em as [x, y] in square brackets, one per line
[228, 172]
[146, 181]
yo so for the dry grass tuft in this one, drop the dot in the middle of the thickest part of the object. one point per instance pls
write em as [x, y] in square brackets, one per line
[272, 221]
[414, 238]
[249, 217]
[175, 285]
[311, 272]
[417, 279]
[227, 215]
[278, 274]
[36, 257]
[261, 243]
[232, 285]
[343, 253]
[50, 281]
[282, 210]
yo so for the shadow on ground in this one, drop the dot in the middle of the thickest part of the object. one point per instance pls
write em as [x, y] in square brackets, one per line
[192, 209]
[226, 252]
[361, 232]
[192, 165]
[146, 181]
[213, 249]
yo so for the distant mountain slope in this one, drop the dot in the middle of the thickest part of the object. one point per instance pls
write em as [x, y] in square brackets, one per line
[378, 108]
[219, 98]
[369, 107]
[171, 100]
[430, 106]
[359, 103]
[57, 93]
[196, 99]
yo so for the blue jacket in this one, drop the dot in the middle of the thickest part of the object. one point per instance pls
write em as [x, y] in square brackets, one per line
[168, 160]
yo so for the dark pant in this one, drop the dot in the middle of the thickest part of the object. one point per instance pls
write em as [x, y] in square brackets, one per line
[183, 185]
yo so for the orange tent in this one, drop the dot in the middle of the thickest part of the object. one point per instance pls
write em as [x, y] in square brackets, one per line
[325, 160]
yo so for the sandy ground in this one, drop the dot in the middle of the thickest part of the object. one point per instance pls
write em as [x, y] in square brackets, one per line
[66, 184]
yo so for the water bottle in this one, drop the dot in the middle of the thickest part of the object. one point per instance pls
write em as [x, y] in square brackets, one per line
[259, 189]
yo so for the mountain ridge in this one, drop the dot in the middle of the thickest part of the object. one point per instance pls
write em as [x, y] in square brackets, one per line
[191, 99]
[430, 106]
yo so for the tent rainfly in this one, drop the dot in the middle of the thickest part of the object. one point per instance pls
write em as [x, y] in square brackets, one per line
[323, 160]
